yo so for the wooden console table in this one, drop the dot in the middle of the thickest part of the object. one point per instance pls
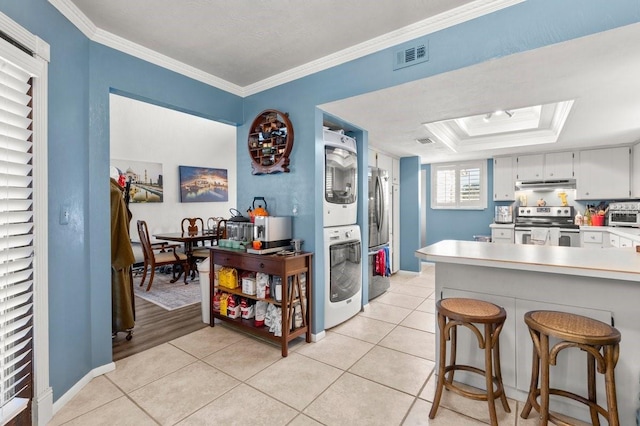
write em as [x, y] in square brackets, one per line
[285, 267]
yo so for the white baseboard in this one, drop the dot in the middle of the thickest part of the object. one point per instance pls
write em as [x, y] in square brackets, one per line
[68, 396]
[317, 337]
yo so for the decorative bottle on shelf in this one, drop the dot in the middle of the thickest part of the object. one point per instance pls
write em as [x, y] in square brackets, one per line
[587, 216]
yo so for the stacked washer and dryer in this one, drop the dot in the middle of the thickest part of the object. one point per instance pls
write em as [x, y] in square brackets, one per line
[342, 238]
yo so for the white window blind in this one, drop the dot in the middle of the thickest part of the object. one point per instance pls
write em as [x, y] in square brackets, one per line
[16, 236]
[446, 186]
[458, 185]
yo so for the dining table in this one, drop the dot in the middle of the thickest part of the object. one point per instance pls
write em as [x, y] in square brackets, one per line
[189, 240]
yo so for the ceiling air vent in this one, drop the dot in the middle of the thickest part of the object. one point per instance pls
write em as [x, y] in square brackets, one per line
[411, 54]
[425, 141]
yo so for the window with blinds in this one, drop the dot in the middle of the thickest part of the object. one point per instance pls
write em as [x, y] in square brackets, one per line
[16, 238]
[459, 185]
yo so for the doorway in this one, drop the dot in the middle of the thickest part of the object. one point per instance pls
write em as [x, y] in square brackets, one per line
[141, 132]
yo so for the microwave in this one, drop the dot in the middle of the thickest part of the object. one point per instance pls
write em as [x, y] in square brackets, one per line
[625, 214]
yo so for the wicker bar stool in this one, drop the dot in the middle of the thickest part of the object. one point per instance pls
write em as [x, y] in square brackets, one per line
[601, 343]
[456, 312]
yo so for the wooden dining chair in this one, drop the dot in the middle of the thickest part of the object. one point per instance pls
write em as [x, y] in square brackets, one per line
[160, 254]
[193, 226]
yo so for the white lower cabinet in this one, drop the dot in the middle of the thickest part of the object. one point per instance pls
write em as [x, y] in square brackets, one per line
[620, 242]
[594, 239]
[502, 234]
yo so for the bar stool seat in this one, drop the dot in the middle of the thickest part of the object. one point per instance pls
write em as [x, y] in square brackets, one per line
[601, 343]
[454, 312]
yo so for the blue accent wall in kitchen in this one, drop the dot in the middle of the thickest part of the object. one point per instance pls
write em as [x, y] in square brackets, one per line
[410, 213]
[82, 73]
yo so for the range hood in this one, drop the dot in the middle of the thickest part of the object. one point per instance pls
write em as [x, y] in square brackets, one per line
[546, 184]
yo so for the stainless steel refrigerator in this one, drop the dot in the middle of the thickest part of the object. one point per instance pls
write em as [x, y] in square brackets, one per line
[379, 255]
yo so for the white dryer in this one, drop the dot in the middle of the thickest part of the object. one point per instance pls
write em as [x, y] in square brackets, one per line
[343, 274]
[340, 199]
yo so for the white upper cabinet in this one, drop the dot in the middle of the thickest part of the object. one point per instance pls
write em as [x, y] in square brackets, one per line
[395, 172]
[635, 182]
[382, 161]
[385, 163]
[503, 179]
[553, 165]
[373, 158]
[530, 167]
[604, 174]
[558, 165]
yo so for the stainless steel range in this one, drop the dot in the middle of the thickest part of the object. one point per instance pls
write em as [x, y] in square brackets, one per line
[546, 225]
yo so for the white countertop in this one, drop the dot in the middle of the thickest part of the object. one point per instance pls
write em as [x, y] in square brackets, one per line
[611, 263]
[631, 233]
[502, 225]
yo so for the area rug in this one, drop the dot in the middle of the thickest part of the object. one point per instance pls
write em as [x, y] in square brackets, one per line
[165, 294]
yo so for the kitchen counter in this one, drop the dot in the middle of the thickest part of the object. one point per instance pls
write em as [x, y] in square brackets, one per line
[631, 233]
[502, 225]
[601, 284]
[623, 264]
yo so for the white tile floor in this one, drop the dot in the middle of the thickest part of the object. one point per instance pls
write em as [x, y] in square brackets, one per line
[375, 369]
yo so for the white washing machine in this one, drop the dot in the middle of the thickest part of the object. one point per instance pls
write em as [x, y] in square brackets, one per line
[340, 179]
[343, 274]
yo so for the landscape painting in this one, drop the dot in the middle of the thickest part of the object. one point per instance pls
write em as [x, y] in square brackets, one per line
[145, 177]
[203, 184]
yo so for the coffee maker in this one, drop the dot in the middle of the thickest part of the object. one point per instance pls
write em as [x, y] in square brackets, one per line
[272, 231]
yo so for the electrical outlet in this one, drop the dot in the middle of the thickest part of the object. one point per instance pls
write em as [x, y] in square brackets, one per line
[64, 214]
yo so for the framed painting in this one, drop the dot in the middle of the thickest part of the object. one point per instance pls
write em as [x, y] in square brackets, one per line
[145, 179]
[203, 184]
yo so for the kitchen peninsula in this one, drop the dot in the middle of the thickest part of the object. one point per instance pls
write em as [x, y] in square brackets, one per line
[602, 284]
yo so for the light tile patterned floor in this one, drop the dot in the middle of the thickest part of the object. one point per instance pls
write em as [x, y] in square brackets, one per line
[375, 369]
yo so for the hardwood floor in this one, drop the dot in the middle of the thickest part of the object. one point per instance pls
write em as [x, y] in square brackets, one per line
[155, 326]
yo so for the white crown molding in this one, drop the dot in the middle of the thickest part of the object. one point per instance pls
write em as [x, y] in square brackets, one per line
[75, 15]
[80, 20]
[133, 49]
[439, 22]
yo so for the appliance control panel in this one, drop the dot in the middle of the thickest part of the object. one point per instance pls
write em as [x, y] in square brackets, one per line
[627, 206]
[562, 211]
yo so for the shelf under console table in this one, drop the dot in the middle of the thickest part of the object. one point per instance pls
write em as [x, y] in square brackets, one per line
[288, 268]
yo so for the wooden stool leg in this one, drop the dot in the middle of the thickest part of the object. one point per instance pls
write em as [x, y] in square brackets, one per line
[535, 375]
[610, 358]
[496, 363]
[452, 351]
[488, 372]
[591, 388]
[544, 385]
[441, 365]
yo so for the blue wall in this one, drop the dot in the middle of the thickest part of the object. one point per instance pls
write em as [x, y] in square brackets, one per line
[410, 213]
[82, 73]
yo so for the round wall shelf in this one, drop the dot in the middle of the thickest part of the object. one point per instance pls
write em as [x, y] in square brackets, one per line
[270, 142]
